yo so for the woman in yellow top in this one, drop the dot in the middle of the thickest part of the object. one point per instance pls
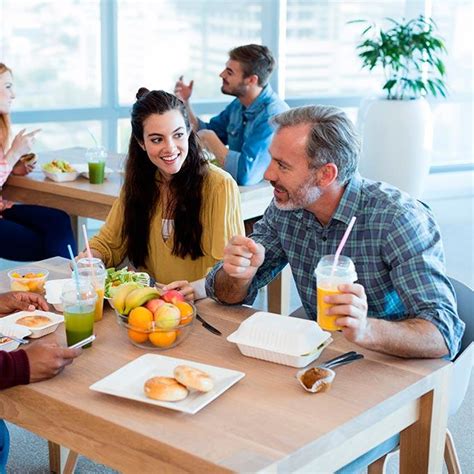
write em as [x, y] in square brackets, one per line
[176, 212]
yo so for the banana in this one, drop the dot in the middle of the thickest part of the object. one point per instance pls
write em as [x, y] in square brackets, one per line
[121, 293]
[138, 297]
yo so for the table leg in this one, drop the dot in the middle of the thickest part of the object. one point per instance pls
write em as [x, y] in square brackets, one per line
[70, 463]
[278, 298]
[54, 458]
[61, 460]
[422, 443]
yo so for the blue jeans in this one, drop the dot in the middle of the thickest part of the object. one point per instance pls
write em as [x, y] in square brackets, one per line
[4, 446]
[30, 233]
[368, 458]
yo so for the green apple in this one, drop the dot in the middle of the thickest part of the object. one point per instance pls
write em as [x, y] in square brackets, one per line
[167, 316]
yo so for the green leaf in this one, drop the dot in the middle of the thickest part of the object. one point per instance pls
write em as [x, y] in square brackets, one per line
[356, 21]
[402, 50]
[432, 87]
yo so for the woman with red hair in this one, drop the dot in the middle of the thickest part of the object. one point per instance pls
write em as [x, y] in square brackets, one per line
[26, 232]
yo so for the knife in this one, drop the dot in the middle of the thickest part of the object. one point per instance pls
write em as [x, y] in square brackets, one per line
[208, 326]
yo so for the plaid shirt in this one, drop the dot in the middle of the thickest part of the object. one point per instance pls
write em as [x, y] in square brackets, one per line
[395, 245]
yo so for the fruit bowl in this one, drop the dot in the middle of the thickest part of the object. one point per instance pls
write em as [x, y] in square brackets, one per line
[28, 279]
[143, 330]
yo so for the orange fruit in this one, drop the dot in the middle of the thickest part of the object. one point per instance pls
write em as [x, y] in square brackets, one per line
[33, 286]
[137, 336]
[186, 311]
[162, 339]
[140, 318]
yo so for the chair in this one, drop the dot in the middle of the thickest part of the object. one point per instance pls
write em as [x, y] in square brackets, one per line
[462, 367]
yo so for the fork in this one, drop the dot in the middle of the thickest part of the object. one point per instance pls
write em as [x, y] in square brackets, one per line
[343, 359]
[13, 338]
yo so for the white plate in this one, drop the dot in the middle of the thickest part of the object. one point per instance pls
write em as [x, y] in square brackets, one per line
[128, 381]
[39, 331]
[61, 177]
[83, 169]
[12, 330]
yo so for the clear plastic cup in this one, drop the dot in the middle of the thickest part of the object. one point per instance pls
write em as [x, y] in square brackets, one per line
[78, 308]
[327, 281]
[92, 270]
[96, 158]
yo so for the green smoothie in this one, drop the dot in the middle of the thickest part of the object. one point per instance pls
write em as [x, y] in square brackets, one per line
[96, 172]
[79, 322]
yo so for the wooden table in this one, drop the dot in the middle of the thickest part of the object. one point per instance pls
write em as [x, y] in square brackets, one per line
[266, 422]
[80, 198]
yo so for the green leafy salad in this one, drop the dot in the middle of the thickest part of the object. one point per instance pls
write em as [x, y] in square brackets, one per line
[115, 278]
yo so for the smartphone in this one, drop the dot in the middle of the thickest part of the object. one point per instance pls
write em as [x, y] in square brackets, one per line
[83, 343]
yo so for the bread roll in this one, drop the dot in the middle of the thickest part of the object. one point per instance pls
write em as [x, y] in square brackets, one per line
[193, 378]
[165, 389]
[33, 321]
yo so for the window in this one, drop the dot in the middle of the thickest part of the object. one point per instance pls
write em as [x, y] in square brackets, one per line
[321, 57]
[58, 135]
[53, 49]
[453, 117]
[79, 63]
[162, 40]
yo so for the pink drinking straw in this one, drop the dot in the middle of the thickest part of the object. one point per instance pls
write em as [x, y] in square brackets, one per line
[342, 243]
[84, 231]
[89, 253]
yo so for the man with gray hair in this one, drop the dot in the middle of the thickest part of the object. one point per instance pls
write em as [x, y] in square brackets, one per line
[403, 303]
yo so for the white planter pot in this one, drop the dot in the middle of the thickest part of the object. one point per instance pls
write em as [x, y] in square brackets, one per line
[397, 139]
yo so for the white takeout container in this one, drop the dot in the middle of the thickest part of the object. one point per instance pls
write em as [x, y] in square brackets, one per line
[12, 330]
[280, 339]
[61, 177]
[39, 331]
[53, 290]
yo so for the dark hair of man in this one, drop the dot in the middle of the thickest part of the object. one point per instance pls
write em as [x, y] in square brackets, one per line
[142, 191]
[254, 59]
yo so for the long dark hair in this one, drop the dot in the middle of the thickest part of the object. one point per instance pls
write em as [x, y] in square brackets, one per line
[142, 191]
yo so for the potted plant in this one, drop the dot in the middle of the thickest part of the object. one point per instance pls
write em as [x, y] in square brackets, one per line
[397, 130]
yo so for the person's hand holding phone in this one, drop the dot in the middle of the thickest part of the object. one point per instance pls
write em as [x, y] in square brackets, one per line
[83, 343]
[47, 359]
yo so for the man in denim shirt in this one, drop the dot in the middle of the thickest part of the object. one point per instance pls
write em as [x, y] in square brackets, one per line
[240, 135]
[403, 303]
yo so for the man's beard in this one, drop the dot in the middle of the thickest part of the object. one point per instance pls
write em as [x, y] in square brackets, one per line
[237, 91]
[302, 198]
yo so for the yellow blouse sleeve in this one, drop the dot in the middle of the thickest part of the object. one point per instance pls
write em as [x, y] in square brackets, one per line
[225, 216]
[109, 239]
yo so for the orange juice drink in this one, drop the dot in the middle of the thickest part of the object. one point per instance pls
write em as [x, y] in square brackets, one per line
[99, 306]
[328, 279]
[326, 321]
[93, 271]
